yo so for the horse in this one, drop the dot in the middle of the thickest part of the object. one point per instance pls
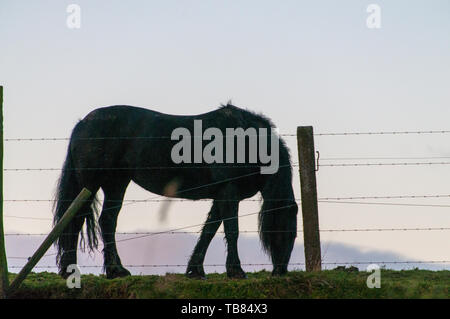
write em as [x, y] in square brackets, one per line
[115, 145]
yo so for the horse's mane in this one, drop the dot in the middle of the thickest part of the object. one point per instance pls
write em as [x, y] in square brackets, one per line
[246, 114]
[253, 117]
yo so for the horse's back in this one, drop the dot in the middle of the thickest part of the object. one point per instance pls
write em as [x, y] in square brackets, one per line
[225, 115]
[138, 141]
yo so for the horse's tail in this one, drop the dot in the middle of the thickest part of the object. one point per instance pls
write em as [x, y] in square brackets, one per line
[267, 214]
[68, 188]
[266, 222]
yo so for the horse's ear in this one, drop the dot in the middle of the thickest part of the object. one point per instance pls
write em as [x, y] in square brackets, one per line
[228, 104]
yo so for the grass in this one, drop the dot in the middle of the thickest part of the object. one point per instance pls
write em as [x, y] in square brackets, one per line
[297, 284]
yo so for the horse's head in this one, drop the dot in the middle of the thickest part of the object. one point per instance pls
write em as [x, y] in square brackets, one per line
[283, 236]
[278, 230]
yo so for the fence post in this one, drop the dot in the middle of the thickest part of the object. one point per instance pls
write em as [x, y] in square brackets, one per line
[54, 234]
[307, 167]
[3, 261]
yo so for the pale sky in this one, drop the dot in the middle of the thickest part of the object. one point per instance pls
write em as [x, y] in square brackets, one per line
[298, 62]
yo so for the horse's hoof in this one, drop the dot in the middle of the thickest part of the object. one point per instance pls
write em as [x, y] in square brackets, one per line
[277, 272]
[64, 274]
[236, 273]
[117, 272]
[195, 274]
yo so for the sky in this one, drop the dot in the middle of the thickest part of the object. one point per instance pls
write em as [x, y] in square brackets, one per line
[298, 62]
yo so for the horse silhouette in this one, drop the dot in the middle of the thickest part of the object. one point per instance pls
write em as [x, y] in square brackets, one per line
[114, 145]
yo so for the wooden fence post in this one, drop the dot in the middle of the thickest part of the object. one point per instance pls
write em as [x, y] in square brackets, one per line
[54, 234]
[3, 261]
[307, 167]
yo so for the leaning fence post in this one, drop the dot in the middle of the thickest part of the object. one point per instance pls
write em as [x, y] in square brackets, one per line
[307, 167]
[3, 261]
[54, 234]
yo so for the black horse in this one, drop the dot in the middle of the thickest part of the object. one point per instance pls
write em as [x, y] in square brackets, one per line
[114, 145]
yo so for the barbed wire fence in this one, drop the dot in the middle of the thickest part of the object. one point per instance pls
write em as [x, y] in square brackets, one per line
[327, 162]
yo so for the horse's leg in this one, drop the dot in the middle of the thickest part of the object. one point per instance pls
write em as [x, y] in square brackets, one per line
[69, 245]
[228, 209]
[195, 265]
[230, 223]
[69, 238]
[114, 194]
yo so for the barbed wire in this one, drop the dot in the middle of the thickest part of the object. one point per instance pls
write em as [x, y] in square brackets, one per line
[147, 200]
[252, 231]
[384, 204]
[330, 200]
[385, 164]
[256, 264]
[206, 166]
[320, 201]
[383, 133]
[209, 166]
[27, 217]
[55, 139]
[242, 200]
[175, 232]
[387, 197]
[381, 158]
[34, 139]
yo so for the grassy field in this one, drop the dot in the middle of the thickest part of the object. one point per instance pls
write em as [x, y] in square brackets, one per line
[297, 284]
